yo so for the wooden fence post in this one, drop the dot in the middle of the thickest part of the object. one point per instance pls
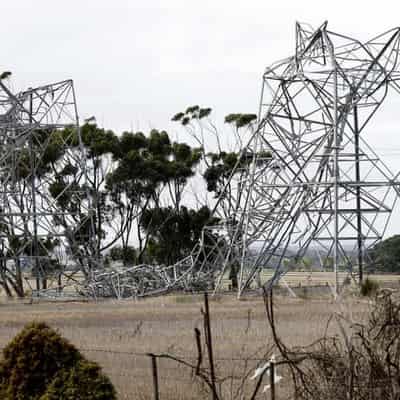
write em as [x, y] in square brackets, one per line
[209, 344]
[155, 375]
[272, 379]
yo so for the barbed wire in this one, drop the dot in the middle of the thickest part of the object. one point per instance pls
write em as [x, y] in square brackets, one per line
[146, 354]
[148, 376]
[183, 357]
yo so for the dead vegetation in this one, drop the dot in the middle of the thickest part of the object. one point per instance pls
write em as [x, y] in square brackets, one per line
[360, 362]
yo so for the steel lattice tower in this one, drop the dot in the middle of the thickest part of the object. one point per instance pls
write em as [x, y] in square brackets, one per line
[42, 164]
[314, 182]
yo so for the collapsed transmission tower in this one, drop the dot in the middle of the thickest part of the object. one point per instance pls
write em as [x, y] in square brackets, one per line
[45, 218]
[314, 182]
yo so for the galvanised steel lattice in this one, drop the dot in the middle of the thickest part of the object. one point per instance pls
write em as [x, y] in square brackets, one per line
[314, 182]
[40, 146]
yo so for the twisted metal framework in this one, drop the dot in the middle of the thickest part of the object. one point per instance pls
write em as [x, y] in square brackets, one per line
[40, 147]
[314, 183]
[145, 280]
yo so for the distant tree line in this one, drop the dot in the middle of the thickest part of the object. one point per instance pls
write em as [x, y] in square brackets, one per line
[385, 256]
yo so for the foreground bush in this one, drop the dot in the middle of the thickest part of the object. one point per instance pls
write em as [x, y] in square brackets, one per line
[84, 382]
[38, 364]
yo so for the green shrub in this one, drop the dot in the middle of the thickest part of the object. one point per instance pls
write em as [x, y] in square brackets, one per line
[84, 382]
[37, 359]
[369, 287]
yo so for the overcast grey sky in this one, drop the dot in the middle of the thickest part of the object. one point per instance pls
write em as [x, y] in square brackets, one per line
[136, 63]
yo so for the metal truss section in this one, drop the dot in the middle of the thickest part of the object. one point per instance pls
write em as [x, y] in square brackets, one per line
[314, 182]
[42, 164]
[145, 280]
[197, 272]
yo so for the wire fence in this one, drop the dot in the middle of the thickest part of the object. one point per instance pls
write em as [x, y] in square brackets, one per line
[133, 375]
[234, 378]
[132, 372]
[136, 364]
[180, 356]
[136, 370]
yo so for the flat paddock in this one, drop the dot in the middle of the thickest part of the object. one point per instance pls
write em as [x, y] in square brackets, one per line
[118, 334]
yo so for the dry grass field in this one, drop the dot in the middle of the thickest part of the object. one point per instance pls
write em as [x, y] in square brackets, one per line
[293, 279]
[118, 334]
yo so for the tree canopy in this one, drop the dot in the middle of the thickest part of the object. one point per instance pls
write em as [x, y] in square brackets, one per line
[385, 255]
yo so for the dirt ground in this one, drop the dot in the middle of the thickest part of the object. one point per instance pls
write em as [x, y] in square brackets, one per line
[118, 334]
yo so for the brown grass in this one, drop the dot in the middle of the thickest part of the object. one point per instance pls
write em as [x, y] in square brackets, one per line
[118, 334]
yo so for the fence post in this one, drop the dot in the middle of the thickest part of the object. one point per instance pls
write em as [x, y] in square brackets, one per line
[155, 375]
[272, 379]
[209, 344]
[199, 352]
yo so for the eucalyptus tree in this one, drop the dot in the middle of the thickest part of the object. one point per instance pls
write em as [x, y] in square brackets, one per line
[226, 162]
[150, 176]
[78, 191]
[173, 233]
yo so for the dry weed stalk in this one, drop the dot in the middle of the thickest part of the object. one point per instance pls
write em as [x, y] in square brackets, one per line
[361, 363]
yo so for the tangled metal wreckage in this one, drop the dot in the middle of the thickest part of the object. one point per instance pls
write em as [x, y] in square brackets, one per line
[313, 183]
